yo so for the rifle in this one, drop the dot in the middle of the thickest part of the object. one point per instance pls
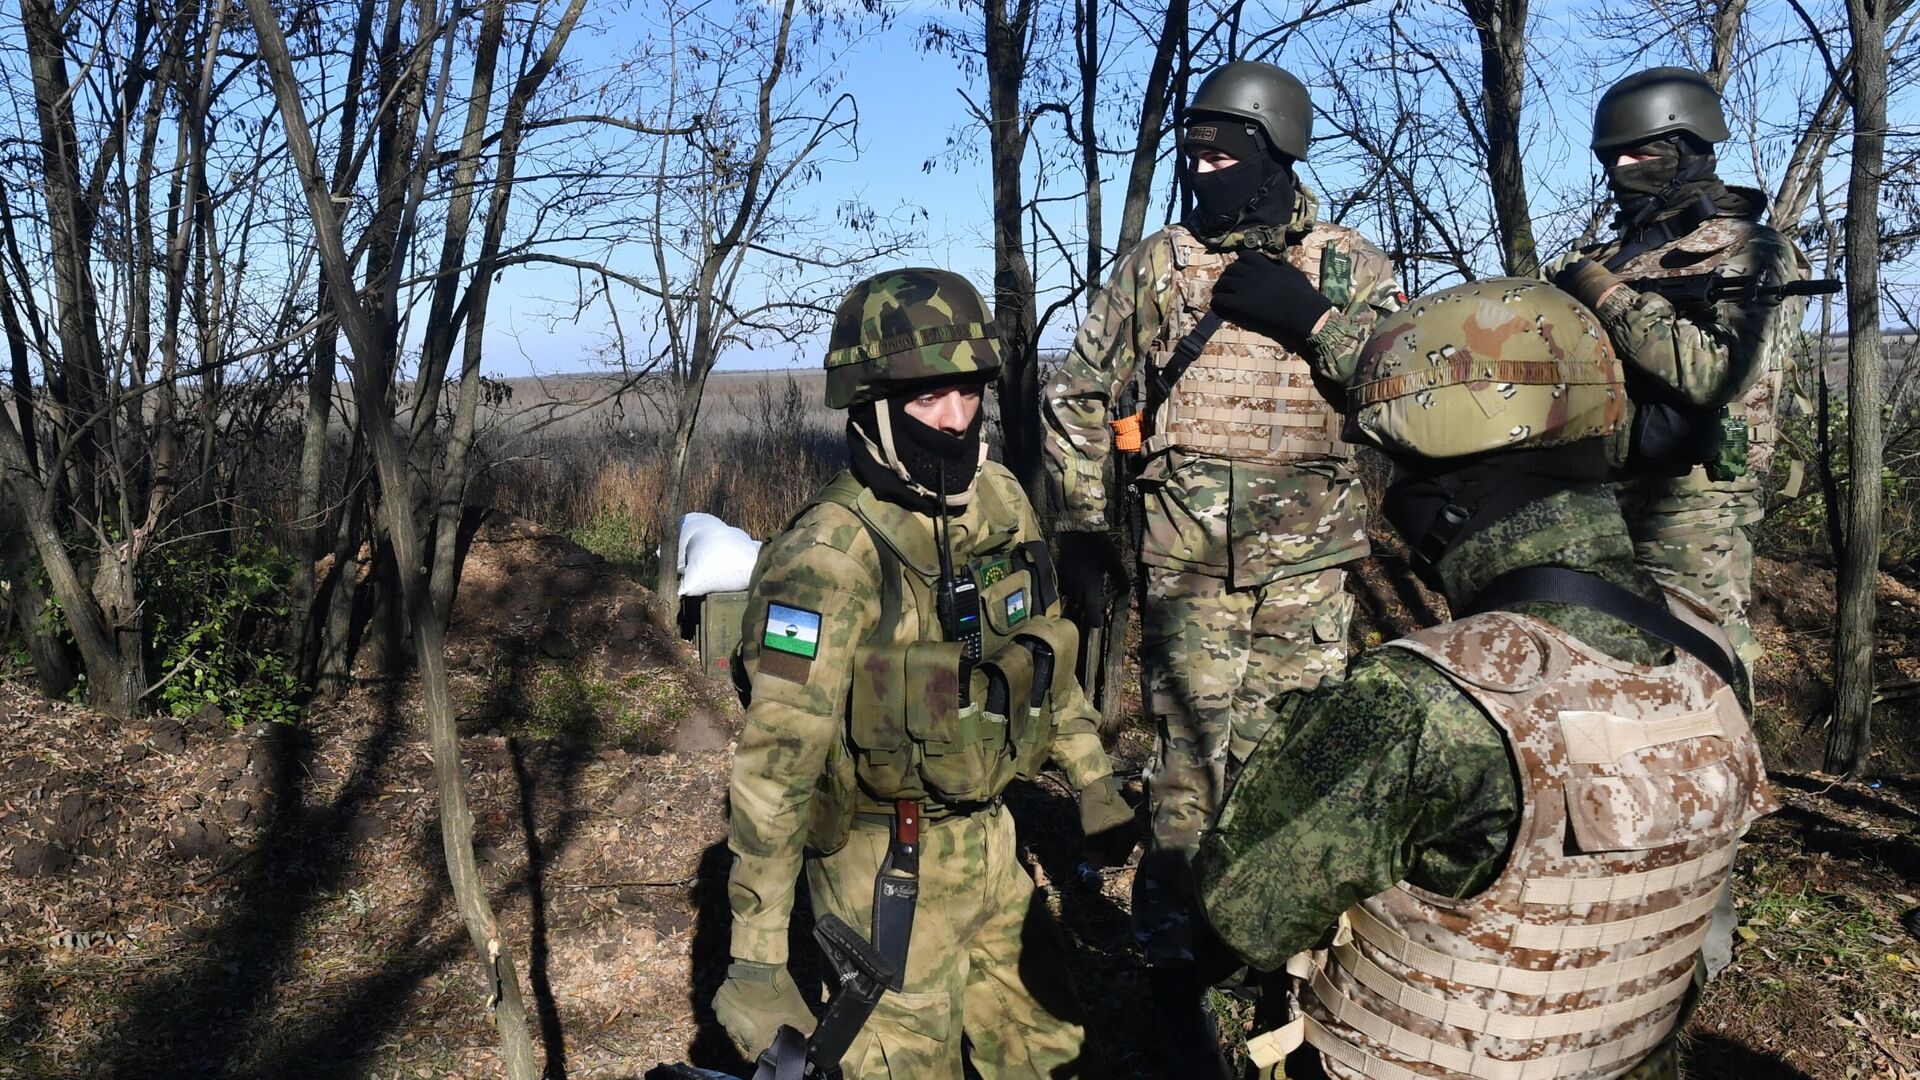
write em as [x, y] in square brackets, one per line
[862, 974]
[1700, 290]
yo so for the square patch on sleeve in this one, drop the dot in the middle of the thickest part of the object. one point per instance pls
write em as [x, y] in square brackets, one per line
[792, 630]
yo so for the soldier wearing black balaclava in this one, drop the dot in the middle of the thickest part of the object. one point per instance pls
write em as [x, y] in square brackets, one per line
[1689, 291]
[1202, 362]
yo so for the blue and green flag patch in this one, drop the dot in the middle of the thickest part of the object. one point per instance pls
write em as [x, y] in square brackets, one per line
[792, 630]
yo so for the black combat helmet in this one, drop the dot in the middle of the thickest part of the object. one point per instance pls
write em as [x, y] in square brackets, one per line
[1264, 94]
[1659, 101]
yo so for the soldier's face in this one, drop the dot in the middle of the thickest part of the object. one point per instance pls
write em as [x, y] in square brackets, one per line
[1210, 160]
[1631, 157]
[949, 409]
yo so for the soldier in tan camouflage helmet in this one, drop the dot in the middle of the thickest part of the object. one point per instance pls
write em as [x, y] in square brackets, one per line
[1493, 850]
[904, 659]
[1685, 291]
[1251, 504]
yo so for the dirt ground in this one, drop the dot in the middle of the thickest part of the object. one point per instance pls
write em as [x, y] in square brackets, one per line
[183, 899]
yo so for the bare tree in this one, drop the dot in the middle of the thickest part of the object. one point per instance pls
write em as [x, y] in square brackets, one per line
[734, 259]
[424, 470]
[1859, 579]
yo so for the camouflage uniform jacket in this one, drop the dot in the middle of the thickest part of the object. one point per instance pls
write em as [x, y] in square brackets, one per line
[1248, 521]
[1733, 352]
[793, 752]
[1705, 357]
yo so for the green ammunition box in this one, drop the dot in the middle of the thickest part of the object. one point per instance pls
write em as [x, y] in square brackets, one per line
[719, 632]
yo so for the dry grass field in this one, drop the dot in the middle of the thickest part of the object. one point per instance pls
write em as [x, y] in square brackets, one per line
[576, 456]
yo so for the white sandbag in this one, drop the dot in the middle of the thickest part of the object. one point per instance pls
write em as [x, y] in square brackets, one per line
[720, 558]
[692, 525]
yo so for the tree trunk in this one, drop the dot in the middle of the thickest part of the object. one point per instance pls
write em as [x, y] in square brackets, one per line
[1501, 26]
[1847, 740]
[370, 339]
[1153, 117]
[674, 504]
[1013, 301]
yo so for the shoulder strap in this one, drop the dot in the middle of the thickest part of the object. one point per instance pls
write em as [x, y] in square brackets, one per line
[1661, 233]
[1559, 585]
[1185, 352]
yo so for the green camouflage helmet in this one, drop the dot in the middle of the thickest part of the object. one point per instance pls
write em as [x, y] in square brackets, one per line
[908, 326]
[1267, 95]
[1658, 101]
[1498, 364]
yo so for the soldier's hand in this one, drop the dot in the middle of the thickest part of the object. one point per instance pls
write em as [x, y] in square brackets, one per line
[1107, 822]
[1270, 297]
[754, 1001]
[1088, 560]
[1586, 281]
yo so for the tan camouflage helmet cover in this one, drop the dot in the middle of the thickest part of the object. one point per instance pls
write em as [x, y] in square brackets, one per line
[907, 326]
[1497, 364]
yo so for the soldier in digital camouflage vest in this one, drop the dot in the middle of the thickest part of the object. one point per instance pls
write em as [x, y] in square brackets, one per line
[1685, 292]
[904, 659]
[1251, 504]
[1492, 851]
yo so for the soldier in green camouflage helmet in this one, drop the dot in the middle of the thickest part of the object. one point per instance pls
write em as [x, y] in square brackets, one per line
[1696, 362]
[1493, 849]
[877, 709]
[1250, 507]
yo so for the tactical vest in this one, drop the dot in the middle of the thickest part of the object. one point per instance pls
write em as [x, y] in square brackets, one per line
[1704, 251]
[1247, 397]
[1576, 962]
[924, 721]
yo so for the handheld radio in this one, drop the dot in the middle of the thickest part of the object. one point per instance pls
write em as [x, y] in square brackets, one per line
[958, 595]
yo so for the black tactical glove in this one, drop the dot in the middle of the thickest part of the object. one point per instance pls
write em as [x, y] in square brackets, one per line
[1087, 561]
[1269, 297]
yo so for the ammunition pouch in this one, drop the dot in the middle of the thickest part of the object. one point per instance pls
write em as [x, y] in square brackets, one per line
[1732, 462]
[927, 723]
[1052, 643]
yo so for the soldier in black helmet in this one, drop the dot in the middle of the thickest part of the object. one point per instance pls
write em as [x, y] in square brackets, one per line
[1200, 359]
[1690, 291]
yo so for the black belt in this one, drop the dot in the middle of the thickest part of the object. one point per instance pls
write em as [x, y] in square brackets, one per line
[931, 812]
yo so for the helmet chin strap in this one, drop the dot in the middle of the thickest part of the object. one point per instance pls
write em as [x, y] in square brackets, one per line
[885, 454]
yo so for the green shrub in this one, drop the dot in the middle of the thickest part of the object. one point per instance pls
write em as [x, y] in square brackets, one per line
[215, 618]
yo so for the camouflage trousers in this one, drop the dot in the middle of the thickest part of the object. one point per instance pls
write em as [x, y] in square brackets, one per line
[1697, 534]
[1215, 661]
[986, 960]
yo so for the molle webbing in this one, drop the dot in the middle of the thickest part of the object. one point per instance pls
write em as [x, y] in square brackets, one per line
[1246, 396]
[1576, 961]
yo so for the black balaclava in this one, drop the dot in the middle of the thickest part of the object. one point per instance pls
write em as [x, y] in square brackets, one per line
[1680, 173]
[908, 462]
[1256, 190]
[1436, 504]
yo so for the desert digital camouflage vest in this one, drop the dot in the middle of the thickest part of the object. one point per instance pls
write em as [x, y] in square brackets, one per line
[1704, 251]
[924, 722]
[1248, 397]
[1576, 962]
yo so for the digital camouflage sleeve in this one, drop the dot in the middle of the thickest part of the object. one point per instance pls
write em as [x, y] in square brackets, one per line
[1706, 362]
[1393, 774]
